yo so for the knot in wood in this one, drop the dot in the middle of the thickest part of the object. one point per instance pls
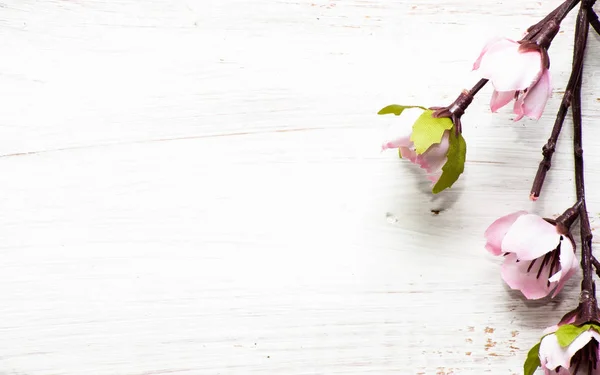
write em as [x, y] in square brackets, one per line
[461, 103]
[548, 148]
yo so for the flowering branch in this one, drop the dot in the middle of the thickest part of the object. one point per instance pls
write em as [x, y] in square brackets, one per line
[455, 110]
[539, 253]
[589, 306]
[557, 15]
[550, 146]
[596, 264]
[572, 347]
[593, 18]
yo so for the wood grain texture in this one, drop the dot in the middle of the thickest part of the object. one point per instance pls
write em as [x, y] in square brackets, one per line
[196, 187]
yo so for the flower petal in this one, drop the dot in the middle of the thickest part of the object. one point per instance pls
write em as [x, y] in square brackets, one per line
[434, 177]
[398, 133]
[553, 355]
[487, 61]
[435, 157]
[500, 99]
[558, 371]
[408, 153]
[431, 160]
[485, 49]
[508, 68]
[569, 264]
[515, 274]
[551, 329]
[518, 108]
[566, 255]
[582, 341]
[495, 233]
[536, 98]
[530, 237]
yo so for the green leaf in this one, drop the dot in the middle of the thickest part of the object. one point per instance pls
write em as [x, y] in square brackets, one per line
[428, 130]
[565, 334]
[396, 109]
[455, 165]
[533, 360]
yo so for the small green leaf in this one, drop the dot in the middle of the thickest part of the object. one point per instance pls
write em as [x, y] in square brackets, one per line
[533, 360]
[428, 130]
[455, 165]
[565, 334]
[396, 109]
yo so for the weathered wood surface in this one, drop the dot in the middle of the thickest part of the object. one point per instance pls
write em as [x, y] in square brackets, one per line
[196, 187]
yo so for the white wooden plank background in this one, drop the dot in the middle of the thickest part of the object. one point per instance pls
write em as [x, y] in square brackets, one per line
[196, 187]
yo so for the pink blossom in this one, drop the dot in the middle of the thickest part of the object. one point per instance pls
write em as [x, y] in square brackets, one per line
[432, 160]
[537, 257]
[517, 71]
[580, 354]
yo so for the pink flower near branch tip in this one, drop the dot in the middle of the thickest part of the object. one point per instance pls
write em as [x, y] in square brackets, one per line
[537, 258]
[516, 73]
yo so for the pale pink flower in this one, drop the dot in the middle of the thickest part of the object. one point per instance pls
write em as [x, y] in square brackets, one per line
[432, 160]
[517, 71]
[538, 259]
[579, 355]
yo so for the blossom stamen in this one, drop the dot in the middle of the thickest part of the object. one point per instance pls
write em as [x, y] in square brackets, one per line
[588, 356]
[555, 262]
[576, 367]
[531, 265]
[544, 261]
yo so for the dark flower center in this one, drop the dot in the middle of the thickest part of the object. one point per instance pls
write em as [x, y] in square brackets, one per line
[551, 259]
[586, 358]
